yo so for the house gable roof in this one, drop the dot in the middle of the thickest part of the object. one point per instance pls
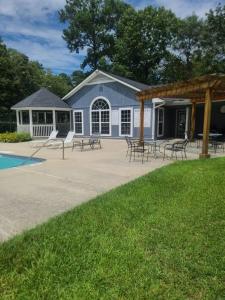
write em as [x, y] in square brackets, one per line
[92, 79]
[41, 99]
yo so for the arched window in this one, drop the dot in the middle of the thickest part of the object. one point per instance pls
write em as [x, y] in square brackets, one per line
[100, 117]
[100, 104]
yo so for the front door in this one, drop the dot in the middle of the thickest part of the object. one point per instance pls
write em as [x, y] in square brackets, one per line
[180, 123]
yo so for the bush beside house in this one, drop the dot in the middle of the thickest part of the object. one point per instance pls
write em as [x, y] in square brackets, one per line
[14, 137]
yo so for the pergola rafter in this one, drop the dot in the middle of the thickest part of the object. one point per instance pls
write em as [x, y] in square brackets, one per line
[204, 89]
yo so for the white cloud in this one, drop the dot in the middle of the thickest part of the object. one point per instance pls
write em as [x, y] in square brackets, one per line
[28, 9]
[51, 35]
[58, 59]
[184, 8]
[30, 26]
[181, 8]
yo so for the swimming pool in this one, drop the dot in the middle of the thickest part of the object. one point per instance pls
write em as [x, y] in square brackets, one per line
[11, 161]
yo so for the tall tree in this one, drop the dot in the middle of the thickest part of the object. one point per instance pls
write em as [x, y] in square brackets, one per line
[144, 38]
[187, 44]
[58, 84]
[213, 42]
[20, 77]
[78, 76]
[91, 26]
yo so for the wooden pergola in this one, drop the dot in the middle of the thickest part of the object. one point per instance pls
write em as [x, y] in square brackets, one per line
[204, 89]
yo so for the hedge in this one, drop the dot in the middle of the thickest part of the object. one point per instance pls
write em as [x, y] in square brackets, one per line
[14, 137]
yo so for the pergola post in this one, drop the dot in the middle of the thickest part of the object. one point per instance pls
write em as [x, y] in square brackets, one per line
[193, 118]
[207, 121]
[142, 111]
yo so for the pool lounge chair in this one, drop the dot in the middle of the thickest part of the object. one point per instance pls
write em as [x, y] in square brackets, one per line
[42, 143]
[68, 141]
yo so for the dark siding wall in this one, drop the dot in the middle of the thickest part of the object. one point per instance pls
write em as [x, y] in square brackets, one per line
[217, 118]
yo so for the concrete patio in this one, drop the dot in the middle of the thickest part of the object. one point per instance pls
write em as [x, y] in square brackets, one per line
[30, 195]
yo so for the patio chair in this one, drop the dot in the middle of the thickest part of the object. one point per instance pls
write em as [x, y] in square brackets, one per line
[174, 148]
[68, 141]
[138, 149]
[42, 143]
[95, 141]
[217, 144]
[129, 144]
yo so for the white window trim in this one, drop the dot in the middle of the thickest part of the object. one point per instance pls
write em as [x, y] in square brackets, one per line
[110, 115]
[163, 122]
[132, 121]
[82, 116]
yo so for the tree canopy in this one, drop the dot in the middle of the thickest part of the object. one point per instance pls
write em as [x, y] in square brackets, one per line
[20, 77]
[91, 26]
[150, 45]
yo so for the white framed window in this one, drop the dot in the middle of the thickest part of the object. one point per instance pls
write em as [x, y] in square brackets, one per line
[100, 117]
[160, 123]
[78, 122]
[126, 121]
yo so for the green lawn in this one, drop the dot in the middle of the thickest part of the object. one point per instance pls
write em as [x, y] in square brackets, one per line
[159, 237]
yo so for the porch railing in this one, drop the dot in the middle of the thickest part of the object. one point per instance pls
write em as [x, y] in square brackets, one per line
[42, 130]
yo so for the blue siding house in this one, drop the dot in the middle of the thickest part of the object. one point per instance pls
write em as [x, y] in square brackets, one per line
[103, 104]
[106, 104]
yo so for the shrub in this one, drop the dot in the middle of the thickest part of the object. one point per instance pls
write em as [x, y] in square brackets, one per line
[14, 137]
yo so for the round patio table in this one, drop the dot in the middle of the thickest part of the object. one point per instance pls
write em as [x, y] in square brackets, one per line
[212, 135]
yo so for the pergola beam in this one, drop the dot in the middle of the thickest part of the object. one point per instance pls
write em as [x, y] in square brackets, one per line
[176, 90]
[198, 90]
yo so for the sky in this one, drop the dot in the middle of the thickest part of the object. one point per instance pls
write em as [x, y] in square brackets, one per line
[32, 27]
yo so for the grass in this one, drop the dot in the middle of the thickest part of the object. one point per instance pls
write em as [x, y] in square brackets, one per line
[161, 236]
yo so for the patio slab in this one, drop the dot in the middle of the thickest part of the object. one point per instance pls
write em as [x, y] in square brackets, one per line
[30, 195]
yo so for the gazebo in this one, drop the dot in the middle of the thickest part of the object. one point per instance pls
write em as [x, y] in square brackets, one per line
[42, 112]
[204, 89]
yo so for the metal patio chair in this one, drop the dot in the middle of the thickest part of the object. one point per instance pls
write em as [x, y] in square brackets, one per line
[217, 144]
[129, 141]
[139, 149]
[174, 148]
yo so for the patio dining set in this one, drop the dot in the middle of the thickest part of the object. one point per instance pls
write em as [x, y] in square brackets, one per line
[216, 141]
[147, 148]
[172, 149]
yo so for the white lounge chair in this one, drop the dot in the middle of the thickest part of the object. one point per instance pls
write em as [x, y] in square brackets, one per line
[42, 143]
[68, 141]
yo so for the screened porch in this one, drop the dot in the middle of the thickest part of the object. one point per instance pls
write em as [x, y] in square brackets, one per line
[41, 113]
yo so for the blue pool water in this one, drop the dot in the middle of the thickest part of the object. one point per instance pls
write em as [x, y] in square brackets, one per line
[12, 161]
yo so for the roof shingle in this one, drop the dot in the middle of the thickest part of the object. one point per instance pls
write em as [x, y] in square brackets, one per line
[42, 98]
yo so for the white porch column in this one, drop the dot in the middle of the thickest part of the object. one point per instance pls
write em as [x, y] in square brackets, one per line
[17, 119]
[153, 121]
[54, 119]
[187, 123]
[31, 122]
